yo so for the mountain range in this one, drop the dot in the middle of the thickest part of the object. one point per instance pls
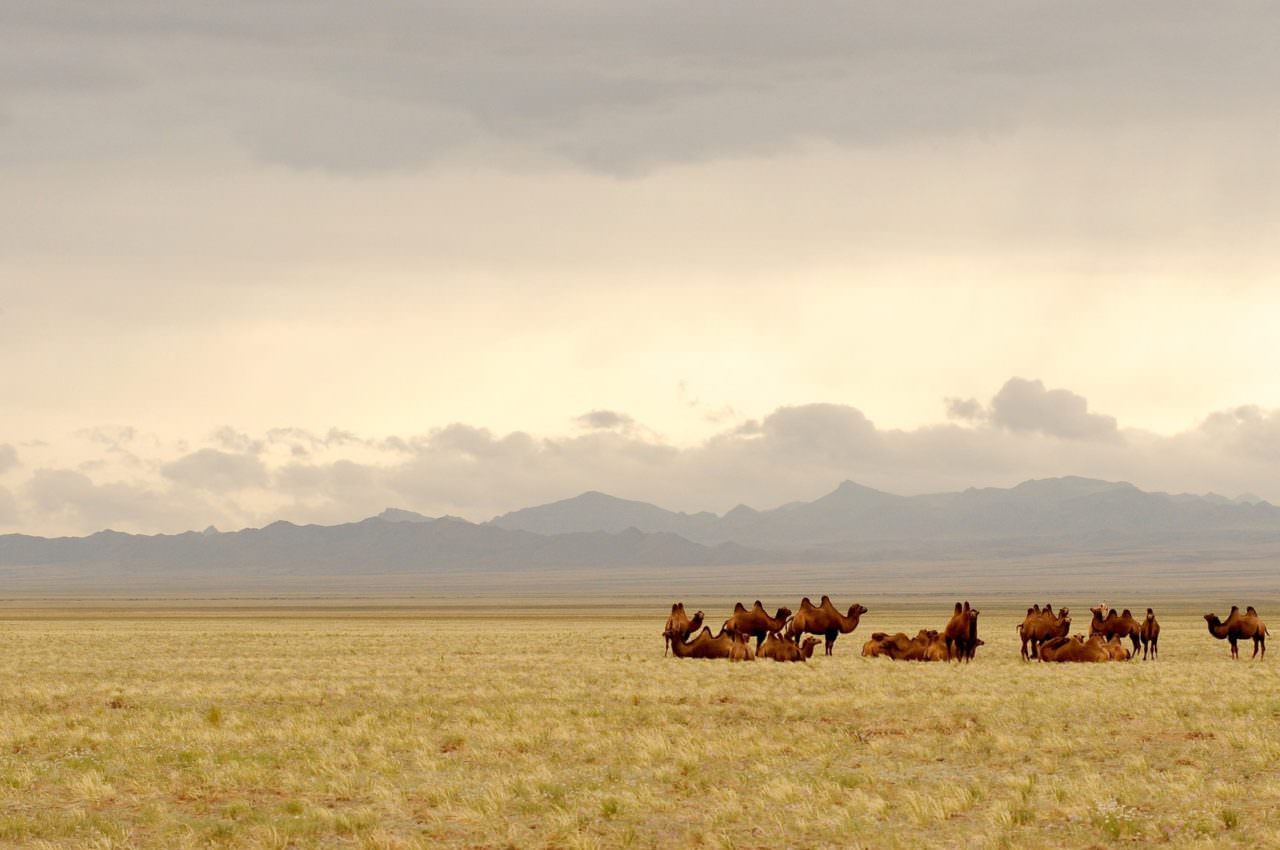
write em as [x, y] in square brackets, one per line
[595, 531]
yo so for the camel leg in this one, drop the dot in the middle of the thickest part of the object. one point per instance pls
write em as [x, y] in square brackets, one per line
[1136, 640]
[1235, 651]
[831, 640]
[666, 645]
[1155, 648]
[1256, 643]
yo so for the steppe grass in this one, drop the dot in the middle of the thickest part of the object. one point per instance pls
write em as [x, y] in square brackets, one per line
[417, 731]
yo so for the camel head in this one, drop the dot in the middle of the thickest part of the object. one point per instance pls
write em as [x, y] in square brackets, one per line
[783, 613]
[1151, 615]
[806, 648]
[1212, 620]
[856, 610]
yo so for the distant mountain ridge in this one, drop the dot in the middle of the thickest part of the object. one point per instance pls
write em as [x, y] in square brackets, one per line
[853, 516]
[595, 531]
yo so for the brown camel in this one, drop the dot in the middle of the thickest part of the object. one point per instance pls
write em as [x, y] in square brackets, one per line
[1117, 650]
[1041, 625]
[824, 620]
[1150, 635]
[1074, 648]
[704, 645]
[741, 649]
[927, 645]
[1111, 625]
[679, 624]
[961, 633]
[778, 648]
[756, 622]
[1239, 626]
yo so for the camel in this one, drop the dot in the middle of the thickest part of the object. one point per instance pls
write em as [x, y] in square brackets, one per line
[824, 620]
[1074, 648]
[756, 622]
[778, 648]
[1150, 635]
[1238, 626]
[961, 632]
[1117, 650]
[741, 649]
[1042, 625]
[1110, 625]
[927, 645]
[679, 624]
[704, 645]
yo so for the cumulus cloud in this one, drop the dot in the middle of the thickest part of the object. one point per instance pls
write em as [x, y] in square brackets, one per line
[70, 500]
[965, 409]
[1023, 405]
[8, 458]
[216, 471]
[604, 420]
[794, 452]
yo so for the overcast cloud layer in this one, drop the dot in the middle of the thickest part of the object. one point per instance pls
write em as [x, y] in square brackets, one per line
[612, 238]
[236, 479]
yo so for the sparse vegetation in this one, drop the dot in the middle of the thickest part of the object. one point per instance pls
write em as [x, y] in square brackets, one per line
[401, 731]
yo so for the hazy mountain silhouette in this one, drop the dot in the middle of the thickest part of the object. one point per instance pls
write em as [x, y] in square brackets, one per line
[594, 531]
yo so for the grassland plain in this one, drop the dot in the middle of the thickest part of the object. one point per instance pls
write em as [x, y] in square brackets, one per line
[510, 727]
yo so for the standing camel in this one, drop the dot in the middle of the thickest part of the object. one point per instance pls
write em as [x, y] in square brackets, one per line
[1042, 625]
[961, 632]
[1110, 625]
[756, 622]
[1150, 635]
[1239, 626]
[824, 620]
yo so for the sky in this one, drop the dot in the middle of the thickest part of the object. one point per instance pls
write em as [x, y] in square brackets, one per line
[309, 260]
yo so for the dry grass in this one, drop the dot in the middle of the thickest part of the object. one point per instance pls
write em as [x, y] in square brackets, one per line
[350, 730]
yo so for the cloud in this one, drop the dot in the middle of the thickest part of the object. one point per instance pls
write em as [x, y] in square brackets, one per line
[8, 510]
[604, 420]
[1023, 405]
[794, 452]
[965, 409]
[217, 471]
[8, 458]
[67, 499]
[616, 87]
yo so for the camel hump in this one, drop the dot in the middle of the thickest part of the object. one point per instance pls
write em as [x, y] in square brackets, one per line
[1251, 610]
[758, 604]
[805, 603]
[677, 606]
[739, 608]
[826, 600]
[958, 608]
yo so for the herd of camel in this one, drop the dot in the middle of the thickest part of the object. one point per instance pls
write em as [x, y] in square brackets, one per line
[787, 636]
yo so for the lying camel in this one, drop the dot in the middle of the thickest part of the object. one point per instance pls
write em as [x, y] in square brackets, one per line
[1041, 625]
[741, 649]
[679, 624]
[1111, 625]
[927, 645]
[1075, 648]
[1239, 626]
[756, 622]
[705, 645]
[823, 620]
[961, 633]
[1117, 650]
[778, 648]
[1150, 635]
